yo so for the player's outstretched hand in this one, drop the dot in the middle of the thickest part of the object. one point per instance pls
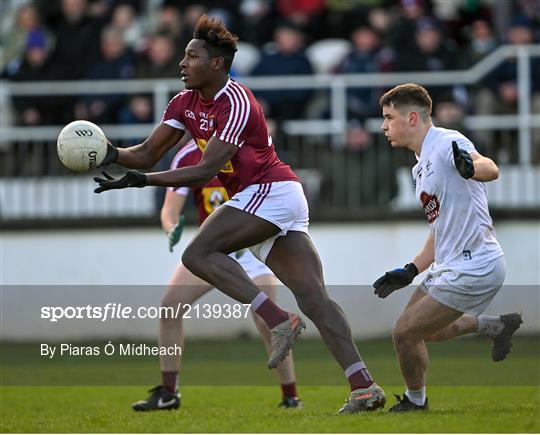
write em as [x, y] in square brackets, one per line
[131, 179]
[463, 161]
[394, 280]
[175, 234]
[111, 156]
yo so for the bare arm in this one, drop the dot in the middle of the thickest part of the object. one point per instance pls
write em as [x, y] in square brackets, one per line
[170, 212]
[485, 169]
[148, 153]
[215, 157]
[426, 256]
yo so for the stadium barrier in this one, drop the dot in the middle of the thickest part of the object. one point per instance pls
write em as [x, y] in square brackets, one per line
[340, 183]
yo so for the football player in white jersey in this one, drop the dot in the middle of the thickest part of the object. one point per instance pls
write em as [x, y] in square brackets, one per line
[465, 263]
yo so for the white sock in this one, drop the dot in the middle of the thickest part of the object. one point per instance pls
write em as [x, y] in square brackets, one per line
[418, 397]
[258, 300]
[490, 325]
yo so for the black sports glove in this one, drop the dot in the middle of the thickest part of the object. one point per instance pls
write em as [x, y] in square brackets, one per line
[111, 156]
[463, 161]
[131, 179]
[394, 280]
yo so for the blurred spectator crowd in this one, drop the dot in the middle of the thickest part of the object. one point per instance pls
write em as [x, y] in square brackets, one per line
[121, 39]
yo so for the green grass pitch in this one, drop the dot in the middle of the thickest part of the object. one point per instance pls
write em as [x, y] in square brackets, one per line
[226, 388]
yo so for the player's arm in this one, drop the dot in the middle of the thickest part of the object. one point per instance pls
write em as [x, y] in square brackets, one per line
[216, 155]
[474, 165]
[485, 169]
[426, 256]
[172, 219]
[401, 277]
[148, 153]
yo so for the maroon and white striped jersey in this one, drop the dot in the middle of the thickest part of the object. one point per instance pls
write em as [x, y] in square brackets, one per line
[233, 116]
[456, 209]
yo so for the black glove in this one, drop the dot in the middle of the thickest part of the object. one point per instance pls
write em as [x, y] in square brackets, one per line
[394, 280]
[131, 179]
[111, 156]
[463, 161]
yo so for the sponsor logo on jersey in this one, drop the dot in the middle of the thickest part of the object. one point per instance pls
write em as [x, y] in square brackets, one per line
[428, 168]
[431, 206]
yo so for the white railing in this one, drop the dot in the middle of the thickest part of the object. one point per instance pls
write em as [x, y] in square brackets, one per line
[64, 197]
[337, 85]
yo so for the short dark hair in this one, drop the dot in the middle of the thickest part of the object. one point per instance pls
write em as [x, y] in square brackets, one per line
[408, 94]
[219, 41]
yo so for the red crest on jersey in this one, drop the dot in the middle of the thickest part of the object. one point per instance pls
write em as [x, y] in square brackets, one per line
[431, 206]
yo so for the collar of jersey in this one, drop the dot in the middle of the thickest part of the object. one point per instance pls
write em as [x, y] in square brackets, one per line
[426, 144]
[218, 94]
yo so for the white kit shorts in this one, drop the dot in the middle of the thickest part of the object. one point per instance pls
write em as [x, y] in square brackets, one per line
[282, 202]
[468, 290]
[250, 264]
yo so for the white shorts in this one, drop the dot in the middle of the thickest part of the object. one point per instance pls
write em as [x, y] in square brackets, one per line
[283, 203]
[251, 265]
[469, 291]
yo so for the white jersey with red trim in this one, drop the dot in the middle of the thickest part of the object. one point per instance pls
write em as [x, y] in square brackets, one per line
[456, 209]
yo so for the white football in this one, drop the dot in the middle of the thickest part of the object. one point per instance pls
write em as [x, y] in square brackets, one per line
[81, 146]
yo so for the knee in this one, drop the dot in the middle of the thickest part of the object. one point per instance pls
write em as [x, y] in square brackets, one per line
[193, 258]
[170, 300]
[166, 301]
[172, 309]
[403, 335]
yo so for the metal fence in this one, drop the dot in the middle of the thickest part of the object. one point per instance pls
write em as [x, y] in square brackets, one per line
[340, 182]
